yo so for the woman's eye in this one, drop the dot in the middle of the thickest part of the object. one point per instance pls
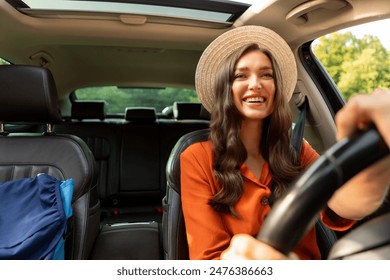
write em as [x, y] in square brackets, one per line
[239, 76]
[268, 75]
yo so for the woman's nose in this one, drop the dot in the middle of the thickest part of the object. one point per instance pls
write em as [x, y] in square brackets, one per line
[254, 83]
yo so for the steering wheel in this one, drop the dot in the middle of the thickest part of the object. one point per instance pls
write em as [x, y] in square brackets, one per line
[296, 212]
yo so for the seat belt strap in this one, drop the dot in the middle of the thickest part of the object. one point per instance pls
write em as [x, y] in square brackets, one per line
[299, 128]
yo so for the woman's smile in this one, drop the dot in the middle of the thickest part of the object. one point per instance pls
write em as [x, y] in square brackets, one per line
[254, 99]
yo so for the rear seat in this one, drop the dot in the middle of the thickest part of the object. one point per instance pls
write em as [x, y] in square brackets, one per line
[131, 154]
[139, 193]
[103, 138]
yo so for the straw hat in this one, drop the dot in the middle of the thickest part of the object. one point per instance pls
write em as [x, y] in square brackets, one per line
[224, 45]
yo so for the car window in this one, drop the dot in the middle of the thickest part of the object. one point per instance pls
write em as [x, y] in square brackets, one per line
[118, 98]
[357, 58]
[220, 13]
[3, 61]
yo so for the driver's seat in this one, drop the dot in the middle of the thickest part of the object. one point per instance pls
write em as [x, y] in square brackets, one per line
[173, 227]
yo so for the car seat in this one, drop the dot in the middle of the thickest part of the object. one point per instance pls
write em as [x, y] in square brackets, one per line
[173, 225]
[29, 96]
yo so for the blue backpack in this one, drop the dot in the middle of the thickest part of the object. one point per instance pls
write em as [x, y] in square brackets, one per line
[34, 213]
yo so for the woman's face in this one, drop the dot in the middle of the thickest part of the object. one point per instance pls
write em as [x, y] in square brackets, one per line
[253, 86]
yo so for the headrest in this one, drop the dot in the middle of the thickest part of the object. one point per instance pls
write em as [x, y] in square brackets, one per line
[28, 94]
[141, 114]
[204, 114]
[172, 167]
[186, 110]
[89, 109]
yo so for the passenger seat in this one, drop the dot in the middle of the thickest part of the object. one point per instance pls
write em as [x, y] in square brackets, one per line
[29, 96]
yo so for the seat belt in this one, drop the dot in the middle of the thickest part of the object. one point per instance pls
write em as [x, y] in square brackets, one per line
[297, 134]
[325, 236]
[299, 128]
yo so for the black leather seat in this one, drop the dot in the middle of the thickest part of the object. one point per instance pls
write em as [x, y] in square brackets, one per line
[139, 179]
[173, 226]
[29, 96]
[103, 139]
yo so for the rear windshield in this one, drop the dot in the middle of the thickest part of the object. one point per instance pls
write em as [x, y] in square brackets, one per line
[118, 98]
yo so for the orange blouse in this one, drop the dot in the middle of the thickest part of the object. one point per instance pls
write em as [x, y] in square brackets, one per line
[208, 231]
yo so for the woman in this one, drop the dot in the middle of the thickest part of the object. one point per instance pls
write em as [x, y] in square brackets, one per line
[360, 112]
[245, 79]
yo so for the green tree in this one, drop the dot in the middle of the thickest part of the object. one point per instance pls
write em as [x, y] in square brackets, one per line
[356, 65]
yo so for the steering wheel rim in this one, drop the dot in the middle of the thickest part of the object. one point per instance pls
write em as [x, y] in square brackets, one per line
[296, 212]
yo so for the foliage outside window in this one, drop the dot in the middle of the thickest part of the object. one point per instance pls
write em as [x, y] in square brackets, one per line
[3, 62]
[120, 98]
[357, 65]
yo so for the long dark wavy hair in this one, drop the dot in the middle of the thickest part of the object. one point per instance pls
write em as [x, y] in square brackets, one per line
[229, 152]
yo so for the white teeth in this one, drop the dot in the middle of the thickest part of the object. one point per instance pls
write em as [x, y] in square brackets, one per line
[255, 99]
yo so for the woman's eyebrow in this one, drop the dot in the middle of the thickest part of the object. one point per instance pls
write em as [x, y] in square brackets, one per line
[245, 68]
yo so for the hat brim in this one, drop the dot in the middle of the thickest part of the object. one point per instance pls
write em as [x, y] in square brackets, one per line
[227, 43]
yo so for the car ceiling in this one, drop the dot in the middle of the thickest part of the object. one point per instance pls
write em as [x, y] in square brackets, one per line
[98, 49]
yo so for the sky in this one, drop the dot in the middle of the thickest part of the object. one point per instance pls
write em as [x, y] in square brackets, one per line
[378, 28]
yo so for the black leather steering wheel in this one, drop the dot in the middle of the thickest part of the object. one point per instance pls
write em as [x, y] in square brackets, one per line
[296, 212]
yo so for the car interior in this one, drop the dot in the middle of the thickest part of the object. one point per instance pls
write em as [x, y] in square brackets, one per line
[126, 164]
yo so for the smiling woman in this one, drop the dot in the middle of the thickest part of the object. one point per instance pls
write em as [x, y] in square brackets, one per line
[248, 158]
[127, 84]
